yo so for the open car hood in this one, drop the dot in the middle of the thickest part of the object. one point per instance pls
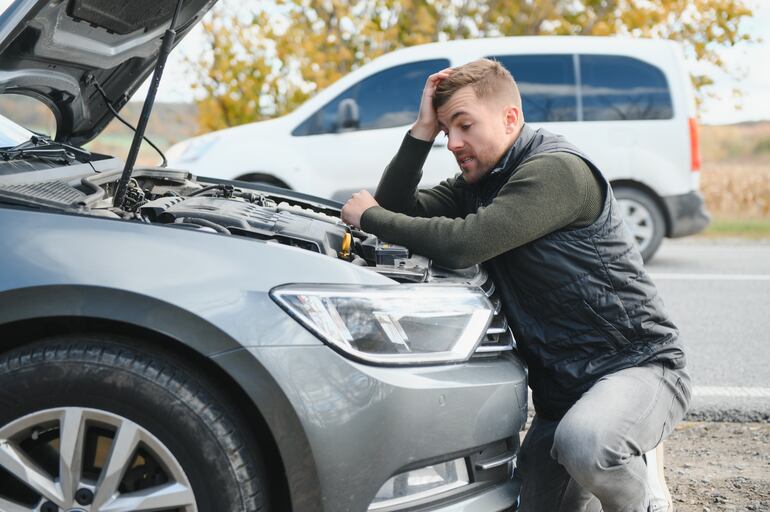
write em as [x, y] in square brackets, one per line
[50, 50]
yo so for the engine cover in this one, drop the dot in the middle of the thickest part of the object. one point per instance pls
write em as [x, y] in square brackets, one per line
[248, 219]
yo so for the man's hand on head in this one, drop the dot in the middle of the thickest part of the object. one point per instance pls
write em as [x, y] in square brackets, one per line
[426, 127]
[356, 206]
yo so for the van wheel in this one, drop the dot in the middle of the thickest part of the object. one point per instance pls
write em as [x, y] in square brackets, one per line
[95, 425]
[643, 218]
[267, 179]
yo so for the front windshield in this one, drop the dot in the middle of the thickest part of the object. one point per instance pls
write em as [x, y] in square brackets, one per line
[11, 134]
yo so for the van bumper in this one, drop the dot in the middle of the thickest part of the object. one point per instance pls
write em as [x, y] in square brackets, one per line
[687, 214]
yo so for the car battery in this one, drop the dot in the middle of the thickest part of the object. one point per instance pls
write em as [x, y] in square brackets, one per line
[383, 253]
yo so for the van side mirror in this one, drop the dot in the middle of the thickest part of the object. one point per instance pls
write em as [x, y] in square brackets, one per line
[347, 115]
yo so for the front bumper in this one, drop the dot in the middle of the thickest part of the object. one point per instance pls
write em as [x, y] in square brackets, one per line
[364, 424]
[687, 213]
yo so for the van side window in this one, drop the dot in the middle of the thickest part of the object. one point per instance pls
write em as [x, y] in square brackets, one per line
[616, 88]
[547, 85]
[386, 99]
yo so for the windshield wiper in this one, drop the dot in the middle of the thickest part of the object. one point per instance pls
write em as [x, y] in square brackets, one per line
[44, 148]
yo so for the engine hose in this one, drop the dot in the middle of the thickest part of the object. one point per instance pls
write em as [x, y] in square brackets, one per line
[206, 223]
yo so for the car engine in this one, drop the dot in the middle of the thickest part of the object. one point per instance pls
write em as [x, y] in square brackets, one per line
[179, 200]
[225, 209]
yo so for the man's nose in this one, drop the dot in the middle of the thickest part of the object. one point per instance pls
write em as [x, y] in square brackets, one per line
[454, 143]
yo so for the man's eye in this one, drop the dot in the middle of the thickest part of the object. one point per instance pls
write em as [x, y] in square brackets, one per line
[465, 126]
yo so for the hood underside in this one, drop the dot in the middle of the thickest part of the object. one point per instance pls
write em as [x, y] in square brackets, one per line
[53, 50]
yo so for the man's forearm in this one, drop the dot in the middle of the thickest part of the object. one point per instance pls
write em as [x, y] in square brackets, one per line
[397, 190]
[546, 194]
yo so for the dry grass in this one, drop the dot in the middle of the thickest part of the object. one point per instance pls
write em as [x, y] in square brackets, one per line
[737, 190]
[735, 180]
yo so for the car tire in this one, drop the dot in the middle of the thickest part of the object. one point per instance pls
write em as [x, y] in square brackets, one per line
[643, 218]
[141, 431]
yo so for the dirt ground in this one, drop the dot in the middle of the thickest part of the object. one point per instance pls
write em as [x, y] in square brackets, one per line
[718, 466]
[714, 467]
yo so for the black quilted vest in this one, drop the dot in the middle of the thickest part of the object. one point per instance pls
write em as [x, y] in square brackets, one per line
[579, 301]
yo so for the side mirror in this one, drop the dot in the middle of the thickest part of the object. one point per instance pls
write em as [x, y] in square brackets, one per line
[347, 115]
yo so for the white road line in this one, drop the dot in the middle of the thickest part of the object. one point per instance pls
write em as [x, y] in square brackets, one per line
[711, 277]
[731, 391]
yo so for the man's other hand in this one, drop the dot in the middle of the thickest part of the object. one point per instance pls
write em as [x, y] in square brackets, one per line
[426, 128]
[356, 206]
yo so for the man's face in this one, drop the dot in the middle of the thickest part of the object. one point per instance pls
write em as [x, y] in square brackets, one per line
[478, 131]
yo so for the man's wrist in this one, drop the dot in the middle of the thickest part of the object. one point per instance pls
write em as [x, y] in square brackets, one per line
[425, 133]
[367, 215]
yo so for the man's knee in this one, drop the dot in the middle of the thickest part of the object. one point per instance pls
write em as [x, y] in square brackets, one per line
[575, 445]
[586, 449]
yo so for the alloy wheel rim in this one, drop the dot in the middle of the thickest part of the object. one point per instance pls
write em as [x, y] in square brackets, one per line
[82, 459]
[639, 221]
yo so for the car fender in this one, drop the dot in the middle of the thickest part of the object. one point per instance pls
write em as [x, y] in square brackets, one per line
[41, 303]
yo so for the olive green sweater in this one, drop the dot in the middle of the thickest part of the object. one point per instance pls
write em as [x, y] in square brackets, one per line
[546, 193]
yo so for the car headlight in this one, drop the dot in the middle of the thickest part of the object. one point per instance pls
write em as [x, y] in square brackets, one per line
[403, 324]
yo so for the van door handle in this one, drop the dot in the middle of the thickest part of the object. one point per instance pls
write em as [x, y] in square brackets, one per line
[439, 144]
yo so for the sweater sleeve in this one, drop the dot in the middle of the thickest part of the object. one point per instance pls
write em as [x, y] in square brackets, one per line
[398, 191]
[546, 193]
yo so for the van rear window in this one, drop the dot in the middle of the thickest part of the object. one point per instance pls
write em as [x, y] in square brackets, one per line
[616, 88]
[547, 86]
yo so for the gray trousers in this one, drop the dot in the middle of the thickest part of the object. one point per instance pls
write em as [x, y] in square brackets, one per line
[592, 459]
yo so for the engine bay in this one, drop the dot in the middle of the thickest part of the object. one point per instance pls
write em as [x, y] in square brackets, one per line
[177, 199]
[225, 209]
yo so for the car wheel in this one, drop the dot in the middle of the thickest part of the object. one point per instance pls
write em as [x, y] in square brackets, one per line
[643, 218]
[97, 425]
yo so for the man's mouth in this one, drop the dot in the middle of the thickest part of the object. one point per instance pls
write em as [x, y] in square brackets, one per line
[464, 161]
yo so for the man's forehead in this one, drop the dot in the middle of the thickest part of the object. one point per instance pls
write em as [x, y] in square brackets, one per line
[462, 102]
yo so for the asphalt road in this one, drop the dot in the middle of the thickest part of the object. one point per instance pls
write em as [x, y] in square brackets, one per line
[718, 293]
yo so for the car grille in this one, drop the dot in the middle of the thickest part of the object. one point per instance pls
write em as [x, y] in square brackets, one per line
[499, 337]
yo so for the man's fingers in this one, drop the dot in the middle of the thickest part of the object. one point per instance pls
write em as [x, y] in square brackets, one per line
[444, 72]
[434, 80]
[436, 77]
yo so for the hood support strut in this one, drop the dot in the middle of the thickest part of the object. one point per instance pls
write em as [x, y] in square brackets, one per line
[165, 50]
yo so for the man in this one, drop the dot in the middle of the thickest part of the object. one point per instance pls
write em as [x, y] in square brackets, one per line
[605, 365]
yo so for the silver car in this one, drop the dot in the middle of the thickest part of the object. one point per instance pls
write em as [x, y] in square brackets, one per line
[188, 344]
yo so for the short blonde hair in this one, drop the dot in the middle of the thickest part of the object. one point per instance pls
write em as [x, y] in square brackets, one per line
[487, 77]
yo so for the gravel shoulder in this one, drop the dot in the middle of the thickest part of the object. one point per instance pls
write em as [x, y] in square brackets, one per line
[713, 466]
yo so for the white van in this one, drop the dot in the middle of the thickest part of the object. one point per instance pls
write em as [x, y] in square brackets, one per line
[627, 103]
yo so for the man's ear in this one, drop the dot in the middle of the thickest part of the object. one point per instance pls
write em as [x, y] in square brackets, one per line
[512, 116]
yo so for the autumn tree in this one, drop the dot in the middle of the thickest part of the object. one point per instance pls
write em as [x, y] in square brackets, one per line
[266, 62]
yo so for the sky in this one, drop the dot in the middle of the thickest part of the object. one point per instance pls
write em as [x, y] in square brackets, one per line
[752, 61]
